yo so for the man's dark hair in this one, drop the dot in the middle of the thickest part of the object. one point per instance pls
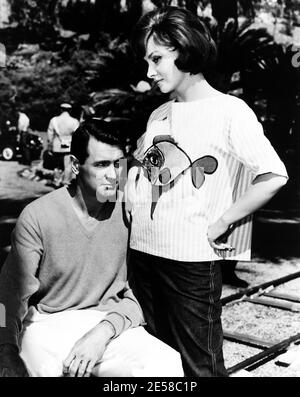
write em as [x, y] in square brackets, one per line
[103, 131]
[177, 29]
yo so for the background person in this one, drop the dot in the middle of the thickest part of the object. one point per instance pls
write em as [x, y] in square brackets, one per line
[59, 134]
[178, 223]
[23, 123]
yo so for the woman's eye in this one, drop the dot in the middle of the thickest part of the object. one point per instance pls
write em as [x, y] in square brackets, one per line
[156, 59]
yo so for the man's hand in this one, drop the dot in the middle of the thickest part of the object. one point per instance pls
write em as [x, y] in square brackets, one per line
[88, 351]
[11, 364]
[217, 235]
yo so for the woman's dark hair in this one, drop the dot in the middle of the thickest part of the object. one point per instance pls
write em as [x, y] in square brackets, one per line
[177, 29]
[103, 131]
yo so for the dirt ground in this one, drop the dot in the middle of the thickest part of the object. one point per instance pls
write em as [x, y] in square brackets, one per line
[270, 324]
[276, 254]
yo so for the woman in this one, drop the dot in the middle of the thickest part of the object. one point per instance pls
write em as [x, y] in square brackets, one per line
[206, 166]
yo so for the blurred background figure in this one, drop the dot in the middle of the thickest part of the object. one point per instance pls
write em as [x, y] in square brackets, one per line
[18, 127]
[59, 135]
[23, 121]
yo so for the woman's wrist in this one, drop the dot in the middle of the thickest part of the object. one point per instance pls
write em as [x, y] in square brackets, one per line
[224, 221]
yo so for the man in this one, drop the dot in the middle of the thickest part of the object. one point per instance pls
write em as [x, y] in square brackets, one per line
[23, 121]
[23, 129]
[59, 133]
[69, 308]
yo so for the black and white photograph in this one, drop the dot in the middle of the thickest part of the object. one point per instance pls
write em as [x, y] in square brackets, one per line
[150, 191]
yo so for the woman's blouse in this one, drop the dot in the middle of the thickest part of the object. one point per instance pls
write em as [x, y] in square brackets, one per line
[173, 222]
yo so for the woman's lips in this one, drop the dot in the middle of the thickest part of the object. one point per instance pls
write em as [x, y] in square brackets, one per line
[156, 82]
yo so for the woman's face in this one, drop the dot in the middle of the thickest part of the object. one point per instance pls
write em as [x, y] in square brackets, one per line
[162, 69]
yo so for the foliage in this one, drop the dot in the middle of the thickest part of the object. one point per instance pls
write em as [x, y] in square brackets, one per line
[128, 105]
[276, 81]
[100, 15]
[36, 19]
[43, 79]
[39, 87]
[240, 48]
[49, 19]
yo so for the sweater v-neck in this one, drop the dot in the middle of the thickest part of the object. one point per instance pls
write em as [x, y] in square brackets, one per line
[87, 231]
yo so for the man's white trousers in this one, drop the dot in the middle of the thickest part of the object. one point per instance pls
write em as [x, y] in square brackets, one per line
[48, 338]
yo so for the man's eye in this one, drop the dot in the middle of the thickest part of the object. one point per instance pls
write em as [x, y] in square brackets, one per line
[117, 164]
[102, 164]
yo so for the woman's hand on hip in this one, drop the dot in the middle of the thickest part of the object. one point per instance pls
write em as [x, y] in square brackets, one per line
[217, 235]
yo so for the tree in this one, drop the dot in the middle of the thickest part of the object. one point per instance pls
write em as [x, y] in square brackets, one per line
[50, 18]
[35, 19]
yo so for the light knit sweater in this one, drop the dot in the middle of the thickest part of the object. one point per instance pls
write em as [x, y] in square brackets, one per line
[55, 264]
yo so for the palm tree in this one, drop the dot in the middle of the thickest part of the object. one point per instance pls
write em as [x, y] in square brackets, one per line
[227, 9]
[240, 48]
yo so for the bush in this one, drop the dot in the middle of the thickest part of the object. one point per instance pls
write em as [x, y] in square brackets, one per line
[40, 83]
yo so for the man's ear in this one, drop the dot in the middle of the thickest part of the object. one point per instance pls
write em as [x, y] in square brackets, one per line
[75, 165]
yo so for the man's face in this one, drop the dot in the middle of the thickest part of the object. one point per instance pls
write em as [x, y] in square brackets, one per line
[100, 173]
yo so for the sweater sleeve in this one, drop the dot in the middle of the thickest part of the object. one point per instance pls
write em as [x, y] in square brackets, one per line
[17, 279]
[249, 145]
[127, 313]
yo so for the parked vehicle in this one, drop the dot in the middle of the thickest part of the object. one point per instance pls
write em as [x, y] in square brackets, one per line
[25, 147]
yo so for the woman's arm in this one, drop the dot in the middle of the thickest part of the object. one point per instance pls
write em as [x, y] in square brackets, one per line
[263, 188]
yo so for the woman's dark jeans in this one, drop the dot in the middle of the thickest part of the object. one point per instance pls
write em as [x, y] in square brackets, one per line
[181, 304]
